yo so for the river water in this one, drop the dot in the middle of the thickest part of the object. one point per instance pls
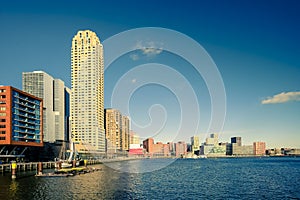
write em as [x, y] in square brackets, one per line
[222, 178]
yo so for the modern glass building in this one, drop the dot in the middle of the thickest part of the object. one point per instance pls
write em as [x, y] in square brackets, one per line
[87, 92]
[21, 120]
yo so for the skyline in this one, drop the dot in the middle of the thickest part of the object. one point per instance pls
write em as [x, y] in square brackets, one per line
[254, 46]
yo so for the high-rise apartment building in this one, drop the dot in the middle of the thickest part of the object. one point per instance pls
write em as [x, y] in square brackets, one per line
[20, 118]
[87, 98]
[117, 131]
[52, 91]
[113, 122]
[125, 133]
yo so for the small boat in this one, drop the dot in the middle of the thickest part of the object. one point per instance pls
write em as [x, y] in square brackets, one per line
[69, 162]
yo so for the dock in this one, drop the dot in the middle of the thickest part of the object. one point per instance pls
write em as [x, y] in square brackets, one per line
[26, 166]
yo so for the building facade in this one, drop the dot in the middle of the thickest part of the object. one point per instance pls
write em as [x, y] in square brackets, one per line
[125, 133]
[259, 148]
[40, 84]
[237, 141]
[52, 91]
[87, 98]
[117, 132]
[180, 149]
[195, 144]
[113, 130]
[158, 149]
[21, 121]
[134, 138]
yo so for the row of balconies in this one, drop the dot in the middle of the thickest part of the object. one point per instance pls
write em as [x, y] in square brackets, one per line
[26, 110]
[34, 122]
[26, 99]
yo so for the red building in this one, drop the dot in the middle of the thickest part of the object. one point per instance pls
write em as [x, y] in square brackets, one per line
[158, 149]
[259, 148]
[21, 121]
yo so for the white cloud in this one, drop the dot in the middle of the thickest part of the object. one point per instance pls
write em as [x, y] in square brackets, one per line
[282, 98]
[149, 48]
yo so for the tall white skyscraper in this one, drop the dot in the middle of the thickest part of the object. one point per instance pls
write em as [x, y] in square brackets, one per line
[42, 85]
[87, 98]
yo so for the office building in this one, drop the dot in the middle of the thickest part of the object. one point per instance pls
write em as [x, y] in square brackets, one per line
[53, 93]
[213, 139]
[21, 122]
[236, 148]
[237, 141]
[212, 146]
[87, 97]
[195, 145]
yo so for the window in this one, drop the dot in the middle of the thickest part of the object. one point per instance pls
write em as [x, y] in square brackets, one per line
[2, 96]
[2, 108]
[2, 90]
[2, 120]
[2, 126]
[2, 138]
[2, 132]
[2, 114]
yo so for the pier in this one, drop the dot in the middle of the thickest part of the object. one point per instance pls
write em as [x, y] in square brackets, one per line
[34, 166]
[26, 166]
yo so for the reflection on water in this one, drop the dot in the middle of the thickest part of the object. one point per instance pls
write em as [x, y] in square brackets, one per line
[138, 166]
[242, 178]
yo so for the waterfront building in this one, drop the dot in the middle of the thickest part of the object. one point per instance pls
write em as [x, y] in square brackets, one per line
[67, 114]
[291, 152]
[180, 149]
[148, 145]
[53, 93]
[21, 121]
[259, 148]
[117, 129]
[134, 138]
[236, 148]
[171, 148]
[87, 97]
[212, 140]
[125, 133]
[195, 145]
[244, 150]
[136, 150]
[236, 140]
[158, 149]
[212, 147]
[113, 122]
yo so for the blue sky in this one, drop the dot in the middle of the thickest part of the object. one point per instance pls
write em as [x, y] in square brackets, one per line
[254, 44]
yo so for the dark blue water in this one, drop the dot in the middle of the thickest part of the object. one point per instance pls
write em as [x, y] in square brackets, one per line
[226, 178]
